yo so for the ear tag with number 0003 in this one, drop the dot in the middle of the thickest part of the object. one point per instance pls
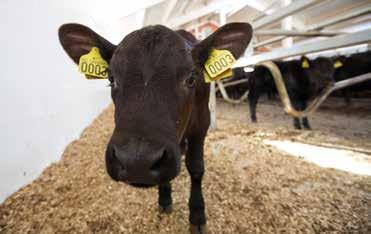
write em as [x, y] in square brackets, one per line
[218, 65]
[208, 79]
[305, 64]
[338, 64]
[93, 65]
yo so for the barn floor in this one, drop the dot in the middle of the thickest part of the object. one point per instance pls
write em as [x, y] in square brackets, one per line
[249, 186]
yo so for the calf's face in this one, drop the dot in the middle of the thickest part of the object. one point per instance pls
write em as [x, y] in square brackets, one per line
[319, 72]
[155, 74]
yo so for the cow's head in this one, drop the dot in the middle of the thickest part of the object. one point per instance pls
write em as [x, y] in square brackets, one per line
[340, 73]
[319, 72]
[156, 82]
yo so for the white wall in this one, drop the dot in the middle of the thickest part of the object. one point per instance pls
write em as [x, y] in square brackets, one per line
[45, 103]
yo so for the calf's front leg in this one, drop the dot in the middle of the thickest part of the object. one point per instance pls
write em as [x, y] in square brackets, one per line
[305, 120]
[297, 124]
[195, 166]
[298, 106]
[164, 198]
[253, 98]
[306, 123]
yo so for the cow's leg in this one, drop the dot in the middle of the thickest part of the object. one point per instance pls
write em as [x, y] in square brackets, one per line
[305, 120]
[296, 104]
[195, 166]
[164, 198]
[346, 96]
[270, 95]
[297, 124]
[306, 124]
[253, 98]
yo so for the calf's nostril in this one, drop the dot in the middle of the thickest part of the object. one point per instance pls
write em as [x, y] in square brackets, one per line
[117, 159]
[159, 161]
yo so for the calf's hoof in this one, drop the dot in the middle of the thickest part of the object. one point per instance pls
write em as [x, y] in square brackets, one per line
[198, 229]
[165, 209]
[297, 126]
[307, 127]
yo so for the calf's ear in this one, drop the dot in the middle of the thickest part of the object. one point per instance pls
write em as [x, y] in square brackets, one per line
[305, 62]
[187, 36]
[77, 40]
[234, 37]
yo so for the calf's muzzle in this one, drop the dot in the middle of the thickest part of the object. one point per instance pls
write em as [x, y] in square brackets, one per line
[143, 163]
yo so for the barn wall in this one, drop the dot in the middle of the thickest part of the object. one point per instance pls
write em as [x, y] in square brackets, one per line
[45, 102]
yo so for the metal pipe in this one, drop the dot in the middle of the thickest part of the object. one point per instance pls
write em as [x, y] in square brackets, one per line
[313, 106]
[269, 41]
[321, 25]
[227, 98]
[212, 97]
[296, 33]
[232, 83]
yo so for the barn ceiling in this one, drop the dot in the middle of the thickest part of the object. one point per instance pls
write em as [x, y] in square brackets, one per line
[170, 11]
[187, 13]
[182, 13]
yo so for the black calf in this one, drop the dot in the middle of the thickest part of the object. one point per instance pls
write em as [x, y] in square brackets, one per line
[304, 79]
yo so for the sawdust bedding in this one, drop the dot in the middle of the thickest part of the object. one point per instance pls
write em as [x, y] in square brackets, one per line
[248, 187]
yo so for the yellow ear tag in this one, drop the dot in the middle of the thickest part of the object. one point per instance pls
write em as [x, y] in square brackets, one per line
[208, 79]
[93, 65]
[338, 64]
[305, 64]
[218, 65]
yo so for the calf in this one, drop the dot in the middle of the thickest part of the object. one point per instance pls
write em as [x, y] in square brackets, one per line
[354, 65]
[161, 103]
[304, 79]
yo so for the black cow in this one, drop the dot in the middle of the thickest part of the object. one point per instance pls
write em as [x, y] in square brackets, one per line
[302, 83]
[161, 102]
[351, 66]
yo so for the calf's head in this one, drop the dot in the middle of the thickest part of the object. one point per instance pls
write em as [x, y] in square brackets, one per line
[156, 83]
[319, 72]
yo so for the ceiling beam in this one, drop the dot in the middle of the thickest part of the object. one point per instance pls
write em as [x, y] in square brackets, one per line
[182, 8]
[168, 10]
[323, 24]
[327, 44]
[258, 5]
[284, 12]
[197, 13]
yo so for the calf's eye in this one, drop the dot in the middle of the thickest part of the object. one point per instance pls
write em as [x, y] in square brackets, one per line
[190, 81]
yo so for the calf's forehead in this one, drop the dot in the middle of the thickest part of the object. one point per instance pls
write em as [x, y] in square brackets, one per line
[153, 47]
[323, 62]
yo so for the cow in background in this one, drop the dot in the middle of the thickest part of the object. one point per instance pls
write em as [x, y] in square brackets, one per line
[351, 66]
[304, 80]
